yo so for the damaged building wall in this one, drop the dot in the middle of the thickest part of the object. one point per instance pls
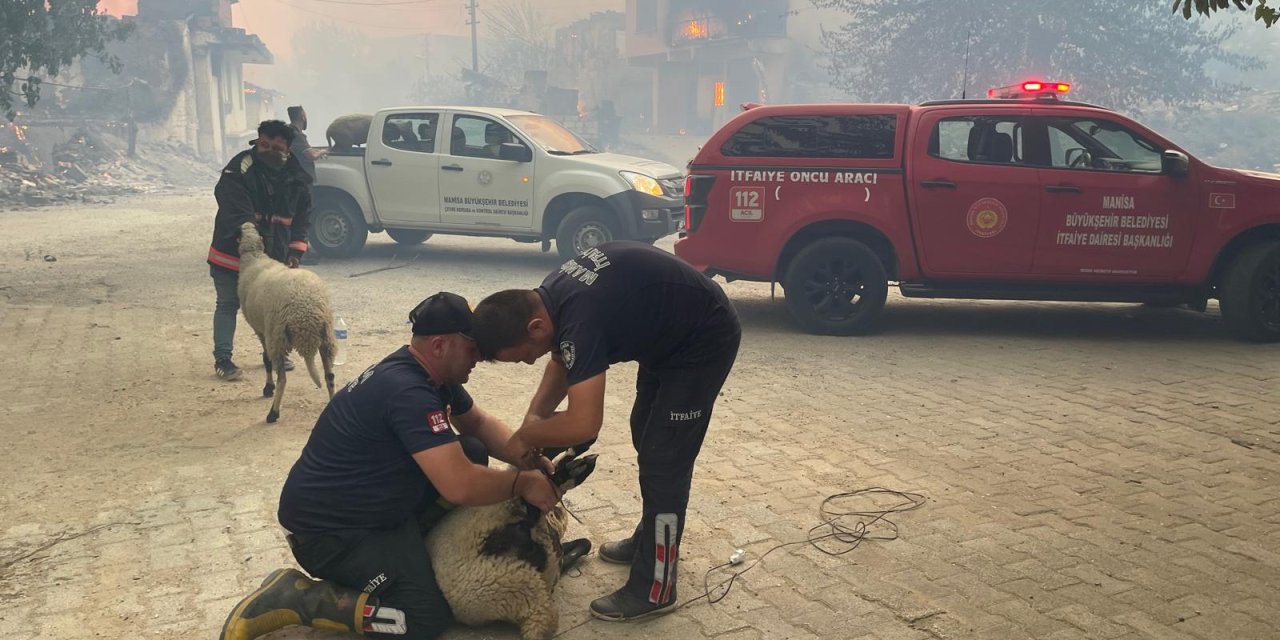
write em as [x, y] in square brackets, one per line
[183, 69]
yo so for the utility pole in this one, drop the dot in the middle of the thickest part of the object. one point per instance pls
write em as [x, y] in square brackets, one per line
[475, 53]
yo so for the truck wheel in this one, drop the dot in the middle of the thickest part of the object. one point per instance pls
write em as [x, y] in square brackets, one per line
[409, 236]
[583, 228]
[836, 287]
[1250, 299]
[337, 228]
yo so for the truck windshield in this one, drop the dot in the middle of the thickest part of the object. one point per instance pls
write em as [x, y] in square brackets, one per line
[551, 135]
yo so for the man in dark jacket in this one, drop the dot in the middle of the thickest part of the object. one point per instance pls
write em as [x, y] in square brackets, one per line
[267, 186]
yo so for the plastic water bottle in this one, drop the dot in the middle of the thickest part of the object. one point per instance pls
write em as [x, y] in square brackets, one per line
[340, 332]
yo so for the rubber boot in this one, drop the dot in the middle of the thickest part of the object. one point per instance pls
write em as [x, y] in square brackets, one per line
[288, 597]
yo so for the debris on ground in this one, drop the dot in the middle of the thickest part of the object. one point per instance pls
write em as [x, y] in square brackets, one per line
[91, 166]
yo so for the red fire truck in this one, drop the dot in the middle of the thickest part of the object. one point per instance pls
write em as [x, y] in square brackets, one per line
[1024, 195]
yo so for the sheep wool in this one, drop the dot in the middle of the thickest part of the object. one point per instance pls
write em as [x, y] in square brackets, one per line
[500, 563]
[289, 310]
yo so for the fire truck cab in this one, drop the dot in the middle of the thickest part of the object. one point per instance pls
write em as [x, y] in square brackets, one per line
[1020, 196]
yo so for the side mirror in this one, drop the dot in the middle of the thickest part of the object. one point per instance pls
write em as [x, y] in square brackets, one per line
[1175, 163]
[515, 152]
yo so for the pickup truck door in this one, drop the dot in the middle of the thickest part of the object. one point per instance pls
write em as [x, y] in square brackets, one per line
[403, 165]
[477, 189]
[975, 197]
[1109, 210]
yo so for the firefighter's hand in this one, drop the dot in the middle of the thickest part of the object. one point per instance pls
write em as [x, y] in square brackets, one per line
[291, 262]
[537, 489]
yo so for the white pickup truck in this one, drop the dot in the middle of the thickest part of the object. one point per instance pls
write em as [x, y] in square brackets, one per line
[487, 172]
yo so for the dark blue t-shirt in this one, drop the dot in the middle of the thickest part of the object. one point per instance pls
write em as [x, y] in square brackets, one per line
[629, 301]
[357, 470]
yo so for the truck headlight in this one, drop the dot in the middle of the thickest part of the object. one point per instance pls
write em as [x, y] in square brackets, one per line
[642, 183]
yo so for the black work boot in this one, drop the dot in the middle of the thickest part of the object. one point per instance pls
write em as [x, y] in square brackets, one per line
[623, 606]
[287, 597]
[227, 370]
[618, 551]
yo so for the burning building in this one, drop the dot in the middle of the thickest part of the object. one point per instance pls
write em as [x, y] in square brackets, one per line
[211, 102]
[707, 57]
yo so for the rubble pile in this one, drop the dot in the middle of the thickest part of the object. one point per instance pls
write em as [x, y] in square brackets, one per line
[91, 166]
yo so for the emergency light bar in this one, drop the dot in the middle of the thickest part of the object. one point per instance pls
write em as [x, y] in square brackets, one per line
[1030, 89]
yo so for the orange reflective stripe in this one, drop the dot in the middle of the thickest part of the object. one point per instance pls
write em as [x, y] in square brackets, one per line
[288, 222]
[223, 259]
[298, 245]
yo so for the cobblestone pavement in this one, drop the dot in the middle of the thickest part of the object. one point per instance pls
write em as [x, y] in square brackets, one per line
[1091, 471]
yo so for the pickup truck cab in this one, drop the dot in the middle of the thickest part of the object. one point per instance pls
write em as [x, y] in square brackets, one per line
[487, 172]
[1023, 196]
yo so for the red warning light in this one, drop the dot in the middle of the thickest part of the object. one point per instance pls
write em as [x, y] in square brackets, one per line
[1030, 89]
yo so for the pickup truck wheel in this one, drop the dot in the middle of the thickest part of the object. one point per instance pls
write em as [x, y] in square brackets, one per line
[1250, 299]
[337, 229]
[583, 228]
[836, 286]
[409, 236]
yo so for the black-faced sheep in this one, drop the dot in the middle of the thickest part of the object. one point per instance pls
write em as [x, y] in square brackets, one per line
[499, 563]
[289, 310]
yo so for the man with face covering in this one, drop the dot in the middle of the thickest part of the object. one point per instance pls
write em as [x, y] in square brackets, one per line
[264, 185]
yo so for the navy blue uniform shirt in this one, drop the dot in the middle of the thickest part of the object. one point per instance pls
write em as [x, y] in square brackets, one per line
[629, 301]
[357, 470]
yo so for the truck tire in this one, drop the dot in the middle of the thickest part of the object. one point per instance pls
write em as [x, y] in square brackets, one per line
[583, 228]
[1250, 294]
[337, 228]
[836, 287]
[409, 236]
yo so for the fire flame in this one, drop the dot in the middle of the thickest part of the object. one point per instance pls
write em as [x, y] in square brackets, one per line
[694, 29]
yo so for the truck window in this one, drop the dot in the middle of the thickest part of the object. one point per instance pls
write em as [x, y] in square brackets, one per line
[869, 136]
[476, 137]
[1085, 143]
[986, 139]
[411, 132]
[552, 135]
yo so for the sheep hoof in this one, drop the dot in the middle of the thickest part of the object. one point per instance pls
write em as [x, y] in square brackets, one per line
[268, 391]
[272, 416]
[573, 550]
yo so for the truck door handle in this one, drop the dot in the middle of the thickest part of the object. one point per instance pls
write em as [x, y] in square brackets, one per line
[938, 184]
[452, 167]
[381, 163]
[1062, 188]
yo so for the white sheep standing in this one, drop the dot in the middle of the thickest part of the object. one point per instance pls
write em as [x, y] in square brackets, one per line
[500, 563]
[289, 310]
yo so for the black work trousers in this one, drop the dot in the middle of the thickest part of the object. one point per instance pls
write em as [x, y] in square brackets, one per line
[668, 424]
[391, 565]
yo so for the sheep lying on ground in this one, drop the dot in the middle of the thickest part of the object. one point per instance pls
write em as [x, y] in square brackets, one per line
[289, 310]
[499, 563]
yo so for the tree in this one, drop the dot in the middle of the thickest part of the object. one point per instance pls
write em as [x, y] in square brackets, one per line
[1120, 54]
[521, 40]
[1267, 15]
[38, 38]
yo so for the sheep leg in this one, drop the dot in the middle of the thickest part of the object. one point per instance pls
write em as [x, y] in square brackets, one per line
[326, 361]
[274, 414]
[270, 387]
[541, 618]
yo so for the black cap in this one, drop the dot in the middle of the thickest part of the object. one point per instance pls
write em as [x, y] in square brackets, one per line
[441, 314]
